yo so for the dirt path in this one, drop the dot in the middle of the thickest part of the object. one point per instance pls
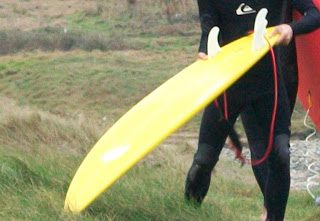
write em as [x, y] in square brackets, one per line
[304, 154]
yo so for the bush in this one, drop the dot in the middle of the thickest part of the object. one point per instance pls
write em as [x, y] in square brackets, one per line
[50, 39]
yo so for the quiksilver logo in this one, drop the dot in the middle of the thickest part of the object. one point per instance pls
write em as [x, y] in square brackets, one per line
[244, 9]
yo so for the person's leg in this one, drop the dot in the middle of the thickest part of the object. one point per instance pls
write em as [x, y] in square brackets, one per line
[213, 132]
[250, 120]
[278, 183]
[257, 143]
[277, 175]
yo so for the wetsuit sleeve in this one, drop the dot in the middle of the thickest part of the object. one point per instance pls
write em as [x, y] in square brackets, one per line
[208, 19]
[310, 20]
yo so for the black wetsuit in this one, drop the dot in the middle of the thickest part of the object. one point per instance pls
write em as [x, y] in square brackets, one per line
[287, 67]
[254, 93]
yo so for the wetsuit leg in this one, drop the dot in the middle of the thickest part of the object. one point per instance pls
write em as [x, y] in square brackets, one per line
[275, 172]
[213, 133]
[273, 175]
[256, 139]
[278, 182]
[257, 142]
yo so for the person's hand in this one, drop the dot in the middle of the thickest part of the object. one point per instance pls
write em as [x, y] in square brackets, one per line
[202, 56]
[285, 34]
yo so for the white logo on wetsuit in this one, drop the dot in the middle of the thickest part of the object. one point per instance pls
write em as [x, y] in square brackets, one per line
[244, 9]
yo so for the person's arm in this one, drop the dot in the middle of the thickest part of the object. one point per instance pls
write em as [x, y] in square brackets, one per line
[310, 20]
[208, 19]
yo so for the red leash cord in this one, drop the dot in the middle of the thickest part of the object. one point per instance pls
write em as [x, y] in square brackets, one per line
[274, 113]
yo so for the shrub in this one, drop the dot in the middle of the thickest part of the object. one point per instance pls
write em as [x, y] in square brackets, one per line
[50, 39]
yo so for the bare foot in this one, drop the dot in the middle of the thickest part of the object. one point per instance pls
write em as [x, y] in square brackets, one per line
[263, 216]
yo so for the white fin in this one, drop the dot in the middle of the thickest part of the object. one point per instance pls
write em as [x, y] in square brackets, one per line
[213, 44]
[260, 26]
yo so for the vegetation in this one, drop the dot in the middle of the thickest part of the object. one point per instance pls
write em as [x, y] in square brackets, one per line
[65, 80]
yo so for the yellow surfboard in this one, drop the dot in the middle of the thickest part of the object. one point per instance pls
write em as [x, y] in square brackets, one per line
[157, 116]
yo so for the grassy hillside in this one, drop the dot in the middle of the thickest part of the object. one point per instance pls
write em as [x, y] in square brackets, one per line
[68, 71]
[40, 152]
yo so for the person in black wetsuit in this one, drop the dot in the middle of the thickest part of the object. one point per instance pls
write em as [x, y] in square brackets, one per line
[253, 93]
[287, 67]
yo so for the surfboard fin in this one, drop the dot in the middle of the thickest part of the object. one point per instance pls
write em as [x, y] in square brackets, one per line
[213, 43]
[260, 29]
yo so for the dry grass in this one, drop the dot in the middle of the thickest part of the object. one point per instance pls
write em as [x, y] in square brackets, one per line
[34, 14]
[42, 162]
[92, 24]
[30, 129]
[50, 39]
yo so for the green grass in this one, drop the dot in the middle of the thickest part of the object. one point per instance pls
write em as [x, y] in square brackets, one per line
[40, 152]
[35, 189]
[89, 23]
[103, 83]
[55, 105]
